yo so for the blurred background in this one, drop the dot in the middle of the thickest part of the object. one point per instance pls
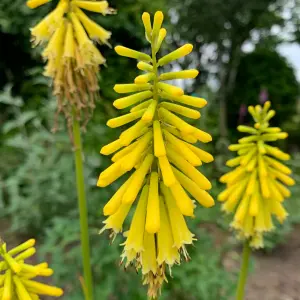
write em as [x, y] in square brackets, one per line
[246, 51]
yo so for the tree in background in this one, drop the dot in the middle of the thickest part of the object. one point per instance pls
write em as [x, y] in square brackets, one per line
[221, 29]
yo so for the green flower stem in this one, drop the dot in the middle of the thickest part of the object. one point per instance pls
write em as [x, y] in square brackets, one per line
[244, 271]
[84, 234]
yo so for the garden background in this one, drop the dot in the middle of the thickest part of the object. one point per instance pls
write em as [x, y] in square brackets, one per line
[236, 48]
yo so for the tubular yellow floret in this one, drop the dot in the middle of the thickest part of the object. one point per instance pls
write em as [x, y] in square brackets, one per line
[132, 99]
[180, 52]
[158, 19]
[144, 78]
[186, 74]
[147, 25]
[36, 3]
[153, 216]
[253, 191]
[161, 36]
[124, 51]
[150, 111]
[158, 150]
[94, 30]
[120, 121]
[171, 89]
[144, 66]
[176, 121]
[99, 7]
[131, 87]
[137, 180]
[181, 110]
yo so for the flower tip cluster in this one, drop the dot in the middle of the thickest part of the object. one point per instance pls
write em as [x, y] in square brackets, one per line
[72, 57]
[16, 276]
[160, 151]
[256, 188]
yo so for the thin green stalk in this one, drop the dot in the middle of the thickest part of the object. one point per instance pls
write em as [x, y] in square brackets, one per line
[84, 234]
[244, 271]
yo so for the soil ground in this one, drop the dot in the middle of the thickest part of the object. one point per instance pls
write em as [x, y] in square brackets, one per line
[277, 275]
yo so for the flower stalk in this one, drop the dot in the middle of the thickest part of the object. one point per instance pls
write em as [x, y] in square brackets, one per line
[244, 271]
[82, 205]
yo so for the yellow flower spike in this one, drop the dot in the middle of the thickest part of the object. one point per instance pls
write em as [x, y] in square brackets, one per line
[36, 3]
[256, 188]
[160, 150]
[18, 283]
[72, 60]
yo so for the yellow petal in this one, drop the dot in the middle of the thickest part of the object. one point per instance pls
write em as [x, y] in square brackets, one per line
[183, 201]
[153, 213]
[166, 170]
[124, 51]
[36, 3]
[137, 180]
[135, 239]
[180, 52]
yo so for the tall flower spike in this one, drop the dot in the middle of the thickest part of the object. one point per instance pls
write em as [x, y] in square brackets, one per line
[158, 150]
[256, 187]
[73, 59]
[16, 276]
